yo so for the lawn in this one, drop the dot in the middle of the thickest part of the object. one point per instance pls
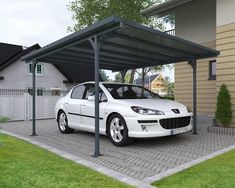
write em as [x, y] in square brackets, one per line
[218, 172]
[25, 165]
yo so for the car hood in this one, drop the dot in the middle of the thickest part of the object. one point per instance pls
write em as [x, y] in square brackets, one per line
[157, 104]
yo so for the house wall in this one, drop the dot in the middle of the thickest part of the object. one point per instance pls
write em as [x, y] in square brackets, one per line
[225, 69]
[158, 85]
[16, 76]
[225, 12]
[206, 89]
[194, 18]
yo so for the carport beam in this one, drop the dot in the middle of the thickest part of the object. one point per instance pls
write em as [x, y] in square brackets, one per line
[34, 64]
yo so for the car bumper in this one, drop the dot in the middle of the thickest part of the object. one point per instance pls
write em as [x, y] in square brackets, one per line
[153, 128]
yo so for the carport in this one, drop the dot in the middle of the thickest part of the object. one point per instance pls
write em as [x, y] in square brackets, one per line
[118, 45]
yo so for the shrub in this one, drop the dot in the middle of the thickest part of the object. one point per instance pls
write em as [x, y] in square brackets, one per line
[4, 119]
[223, 109]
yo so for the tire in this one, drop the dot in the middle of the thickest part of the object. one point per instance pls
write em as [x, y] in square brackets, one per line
[63, 123]
[117, 130]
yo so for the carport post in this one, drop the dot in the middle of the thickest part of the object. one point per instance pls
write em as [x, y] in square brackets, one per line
[194, 66]
[34, 64]
[95, 42]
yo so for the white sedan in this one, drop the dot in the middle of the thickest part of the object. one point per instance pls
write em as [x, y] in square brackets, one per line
[126, 112]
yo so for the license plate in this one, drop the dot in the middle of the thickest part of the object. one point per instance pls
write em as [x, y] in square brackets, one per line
[179, 130]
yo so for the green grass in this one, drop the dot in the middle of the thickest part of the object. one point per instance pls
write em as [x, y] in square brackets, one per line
[24, 165]
[218, 172]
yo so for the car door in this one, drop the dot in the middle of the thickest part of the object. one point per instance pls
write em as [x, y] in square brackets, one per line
[73, 106]
[88, 108]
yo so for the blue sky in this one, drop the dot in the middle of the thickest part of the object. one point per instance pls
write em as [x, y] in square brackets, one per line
[26, 22]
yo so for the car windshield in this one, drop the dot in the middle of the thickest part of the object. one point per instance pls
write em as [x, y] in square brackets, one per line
[122, 91]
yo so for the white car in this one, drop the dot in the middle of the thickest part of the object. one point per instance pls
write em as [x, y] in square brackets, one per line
[126, 112]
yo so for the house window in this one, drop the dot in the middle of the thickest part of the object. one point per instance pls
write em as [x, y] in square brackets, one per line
[30, 68]
[39, 92]
[38, 69]
[212, 70]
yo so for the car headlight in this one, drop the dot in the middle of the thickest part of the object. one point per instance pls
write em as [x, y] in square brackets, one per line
[146, 111]
[189, 110]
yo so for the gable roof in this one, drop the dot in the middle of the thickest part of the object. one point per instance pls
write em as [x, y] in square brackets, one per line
[10, 53]
[146, 80]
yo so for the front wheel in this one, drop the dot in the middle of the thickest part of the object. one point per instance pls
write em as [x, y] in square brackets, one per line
[117, 130]
[63, 123]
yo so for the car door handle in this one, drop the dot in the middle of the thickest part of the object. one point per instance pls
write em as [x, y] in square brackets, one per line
[83, 105]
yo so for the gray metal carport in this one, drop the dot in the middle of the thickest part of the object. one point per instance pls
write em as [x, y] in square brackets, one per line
[119, 45]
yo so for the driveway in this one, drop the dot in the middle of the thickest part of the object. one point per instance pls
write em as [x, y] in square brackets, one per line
[143, 159]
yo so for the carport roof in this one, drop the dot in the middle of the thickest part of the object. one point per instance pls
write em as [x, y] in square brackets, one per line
[124, 45]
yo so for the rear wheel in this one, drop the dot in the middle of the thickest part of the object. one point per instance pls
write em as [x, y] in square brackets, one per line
[117, 130]
[63, 123]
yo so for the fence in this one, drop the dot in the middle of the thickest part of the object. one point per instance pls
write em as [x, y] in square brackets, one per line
[19, 107]
[24, 91]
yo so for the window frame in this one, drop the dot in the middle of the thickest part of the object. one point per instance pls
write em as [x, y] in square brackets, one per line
[100, 92]
[211, 76]
[30, 69]
[76, 88]
[30, 91]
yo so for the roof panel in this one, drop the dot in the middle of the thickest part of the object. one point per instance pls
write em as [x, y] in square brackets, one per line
[124, 45]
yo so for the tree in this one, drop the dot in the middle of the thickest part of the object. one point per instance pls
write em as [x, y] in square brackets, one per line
[87, 12]
[118, 77]
[223, 108]
[170, 86]
[103, 75]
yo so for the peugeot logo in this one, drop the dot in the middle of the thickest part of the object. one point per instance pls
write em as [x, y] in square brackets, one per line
[176, 111]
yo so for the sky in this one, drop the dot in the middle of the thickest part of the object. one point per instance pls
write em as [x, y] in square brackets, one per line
[27, 22]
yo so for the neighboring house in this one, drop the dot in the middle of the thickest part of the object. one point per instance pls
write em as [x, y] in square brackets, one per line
[156, 83]
[16, 75]
[210, 23]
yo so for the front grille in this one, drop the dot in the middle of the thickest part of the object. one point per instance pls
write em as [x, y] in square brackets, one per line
[173, 123]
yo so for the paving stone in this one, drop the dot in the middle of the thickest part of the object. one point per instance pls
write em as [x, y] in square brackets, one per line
[142, 159]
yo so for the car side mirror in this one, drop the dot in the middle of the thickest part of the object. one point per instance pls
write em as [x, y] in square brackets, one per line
[91, 98]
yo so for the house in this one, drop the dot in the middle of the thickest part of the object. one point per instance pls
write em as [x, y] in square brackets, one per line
[210, 23]
[16, 75]
[156, 83]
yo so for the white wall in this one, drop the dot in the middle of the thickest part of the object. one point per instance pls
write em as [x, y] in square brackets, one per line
[196, 21]
[225, 12]
[16, 76]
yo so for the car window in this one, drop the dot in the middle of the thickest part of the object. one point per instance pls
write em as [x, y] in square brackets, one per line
[78, 92]
[122, 91]
[90, 90]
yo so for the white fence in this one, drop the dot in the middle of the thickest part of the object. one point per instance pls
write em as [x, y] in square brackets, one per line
[19, 107]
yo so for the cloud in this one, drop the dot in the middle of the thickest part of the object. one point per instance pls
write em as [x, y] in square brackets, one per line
[27, 22]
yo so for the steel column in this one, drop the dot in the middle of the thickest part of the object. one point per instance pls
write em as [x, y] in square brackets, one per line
[194, 67]
[95, 42]
[34, 64]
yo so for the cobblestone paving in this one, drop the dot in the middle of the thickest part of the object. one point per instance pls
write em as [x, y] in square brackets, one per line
[142, 159]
